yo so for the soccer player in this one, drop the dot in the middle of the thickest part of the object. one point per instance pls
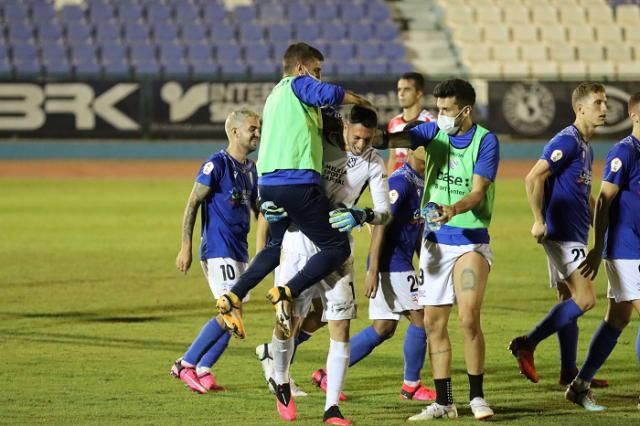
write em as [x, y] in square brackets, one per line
[410, 92]
[461, 165]
[226, 191]
[559, 192]
[289, 168]
[616, 228]
[391, 282]
[345, 176]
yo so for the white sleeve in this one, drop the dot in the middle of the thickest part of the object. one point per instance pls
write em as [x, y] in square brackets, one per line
[379, 188]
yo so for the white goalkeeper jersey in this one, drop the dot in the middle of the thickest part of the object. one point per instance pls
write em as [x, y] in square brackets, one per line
[345, 177]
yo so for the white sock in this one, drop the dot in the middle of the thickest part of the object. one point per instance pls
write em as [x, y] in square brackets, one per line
[337, 365]
[282, 351]
[411, 383]
[201, 370]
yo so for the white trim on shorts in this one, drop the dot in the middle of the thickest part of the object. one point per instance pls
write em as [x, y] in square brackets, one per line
[624, 279]
[397, 293]
[563, 258]
[336, 290]
[436, 263]
[222, 273]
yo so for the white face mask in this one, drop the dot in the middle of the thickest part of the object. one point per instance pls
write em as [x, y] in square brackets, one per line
[448, 124]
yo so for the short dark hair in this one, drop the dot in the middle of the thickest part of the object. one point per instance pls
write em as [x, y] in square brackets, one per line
[416, 77]
[299, 53]
[583, 90]
[633, 101]
[365, 116]
[462, 90]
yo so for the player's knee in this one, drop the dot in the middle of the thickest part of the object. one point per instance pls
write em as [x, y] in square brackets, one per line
[385, 331]
[586, 301]
[434, 326]
[469, 322]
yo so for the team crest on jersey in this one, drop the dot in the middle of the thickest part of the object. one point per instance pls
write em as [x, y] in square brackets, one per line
[556, 155]
[453, 164]
[393, 196]
[351, 162]
[207, 168]
[616, 164]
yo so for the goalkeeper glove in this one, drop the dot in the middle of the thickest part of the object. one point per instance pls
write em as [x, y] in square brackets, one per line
[271, 212]
[344, 220]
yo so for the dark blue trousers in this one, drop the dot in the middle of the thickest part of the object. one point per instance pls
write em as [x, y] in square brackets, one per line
[308, 208]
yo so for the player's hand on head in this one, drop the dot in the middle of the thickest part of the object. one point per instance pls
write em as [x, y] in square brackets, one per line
[590, 265]
[539, 231]
[271, 212]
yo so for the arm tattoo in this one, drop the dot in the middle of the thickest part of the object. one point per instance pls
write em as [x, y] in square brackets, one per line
[198, 194]
[468, 279]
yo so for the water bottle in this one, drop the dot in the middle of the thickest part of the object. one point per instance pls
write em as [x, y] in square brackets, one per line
[431, 211]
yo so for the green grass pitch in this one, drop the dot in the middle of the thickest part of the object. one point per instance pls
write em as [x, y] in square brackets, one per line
[93, 312]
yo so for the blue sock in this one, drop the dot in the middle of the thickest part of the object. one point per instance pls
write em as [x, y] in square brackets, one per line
[638, 345]
[209, 334]
[212, 355]
[302, 337]
[415, 349]
[363, 343]
[602, 344]
[568, 339]
[558, 317]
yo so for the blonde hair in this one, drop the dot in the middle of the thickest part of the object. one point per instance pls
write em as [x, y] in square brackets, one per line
[237, 117]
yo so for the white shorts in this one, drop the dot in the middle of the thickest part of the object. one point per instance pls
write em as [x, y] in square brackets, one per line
[563, 258]
[436, 265]
[336, 291]
[397, 293]
[624, 279]
[222, 273]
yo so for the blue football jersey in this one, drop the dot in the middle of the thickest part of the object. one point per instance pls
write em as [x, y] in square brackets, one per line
[226, 213]
[403, 234]
[567, 190]
[623, 169]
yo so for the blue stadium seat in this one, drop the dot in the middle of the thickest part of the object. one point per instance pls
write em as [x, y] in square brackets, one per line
[264, 69]
[52, 52]
[89, 67]
[249, 32]
[399, 67]
[176, 68]
[136, 32]
[43, 12]
[170, 53]
[5, 67]
[378, 11]
[24, 52]
[228, 52]
[257, 52]
[14, 11]
[278, 33]
[360, 31]
[186, 13]
[377, 69]
[49, 31]
[222, 31]
[350, 69]
[32, 68]
[234, 69]
[334, 31]
[298, 12]
[129, 12]
[146, 69]
[112, 52]
[393, 51]
[271, 12]
[72, 13]
[243, 14]
[164, 31]
[341, 51]
[108, 31]
[386, 31]
[368, 51]
[57, 67]
[205, 69]
[278, 50]
[77, 31]
[158, 12]
[83, 53]
[193, 32]
[101, 12]
[142, 53]
[352, 11]
[214, 13]
[199, 53]
[20, 32]
[116, 68]
[325, 11]
[4, 52]
[307, 31]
